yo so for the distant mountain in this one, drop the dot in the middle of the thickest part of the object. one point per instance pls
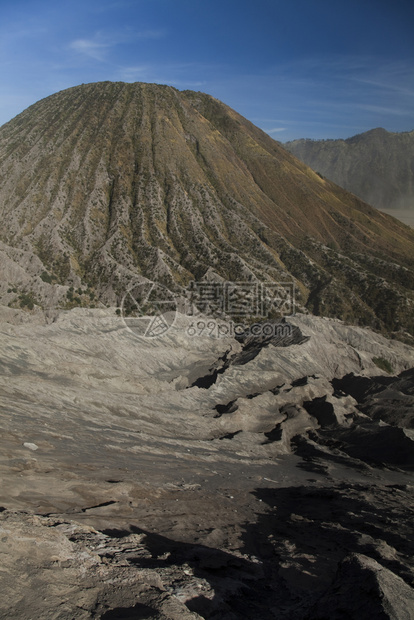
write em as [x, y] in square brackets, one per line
[377, 166]
[108, 183]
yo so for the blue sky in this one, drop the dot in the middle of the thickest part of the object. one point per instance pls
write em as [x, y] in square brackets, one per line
[296, 68]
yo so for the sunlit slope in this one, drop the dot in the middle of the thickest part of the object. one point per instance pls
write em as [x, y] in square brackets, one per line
[109, 181]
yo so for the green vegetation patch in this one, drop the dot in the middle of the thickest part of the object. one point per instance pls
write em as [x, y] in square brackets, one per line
[27, 300]
[384, 364]
[47, 277]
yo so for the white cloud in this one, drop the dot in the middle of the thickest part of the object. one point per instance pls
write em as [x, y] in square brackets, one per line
[275, 130]
[90, 48]
[382, 109]
[97, 46]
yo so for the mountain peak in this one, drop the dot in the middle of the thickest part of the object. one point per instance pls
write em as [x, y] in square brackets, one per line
[107, 183]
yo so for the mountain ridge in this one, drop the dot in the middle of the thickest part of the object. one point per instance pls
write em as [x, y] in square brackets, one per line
[376, 165]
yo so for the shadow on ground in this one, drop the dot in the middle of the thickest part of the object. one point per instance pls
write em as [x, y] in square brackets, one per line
[291, 554]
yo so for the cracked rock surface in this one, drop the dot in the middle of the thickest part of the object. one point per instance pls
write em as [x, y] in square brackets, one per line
[279, 490]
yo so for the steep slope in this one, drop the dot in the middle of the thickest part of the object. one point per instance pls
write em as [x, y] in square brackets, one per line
[376, 165]
[105, 183]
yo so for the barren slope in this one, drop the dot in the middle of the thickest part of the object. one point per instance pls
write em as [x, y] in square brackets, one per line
[129, 491]
[109, 182]
[377, 166]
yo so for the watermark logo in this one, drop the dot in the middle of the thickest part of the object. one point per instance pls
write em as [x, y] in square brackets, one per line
[243, 299]
[148, 309]
[222, 329]
[232, 308]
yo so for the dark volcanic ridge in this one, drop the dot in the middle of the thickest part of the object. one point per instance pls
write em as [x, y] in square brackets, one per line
[103, 185]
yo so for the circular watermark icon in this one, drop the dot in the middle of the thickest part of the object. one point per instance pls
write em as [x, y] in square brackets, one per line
[148, 309]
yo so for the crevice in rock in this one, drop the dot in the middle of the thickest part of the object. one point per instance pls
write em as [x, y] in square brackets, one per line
[229, 435]
[206, 381]
[302, 381]
[274, 435]
[230, 407]
[110, 503]
[322, 410]
[283, 335]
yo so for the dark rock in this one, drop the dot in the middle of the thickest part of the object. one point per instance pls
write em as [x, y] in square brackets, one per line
[363, 589]
[390, 399]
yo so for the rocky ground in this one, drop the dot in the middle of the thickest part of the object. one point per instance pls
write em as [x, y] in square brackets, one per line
[190, 476]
